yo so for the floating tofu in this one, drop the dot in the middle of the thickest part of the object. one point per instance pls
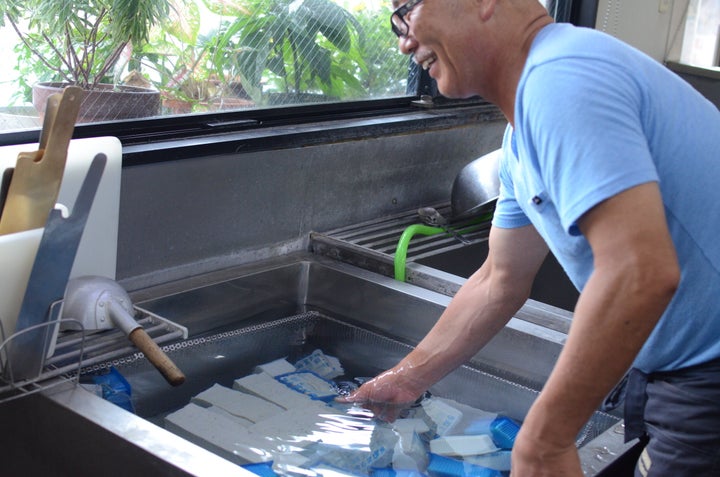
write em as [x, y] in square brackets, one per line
[275, 368]
[407, 430]
[410, 425]
[218, 434]
[240, 420]
[328, 367]
[499, 460]
[237, 403]
[302, 425]
[443, 415]
[463, 445]
[266, 387]
[441, 466]
[310, 384]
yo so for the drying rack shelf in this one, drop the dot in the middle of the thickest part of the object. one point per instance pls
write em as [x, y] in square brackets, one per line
[78, 349]
[373, 244]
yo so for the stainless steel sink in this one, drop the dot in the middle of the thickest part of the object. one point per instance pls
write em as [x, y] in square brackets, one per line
[552, 286]
[69, 431]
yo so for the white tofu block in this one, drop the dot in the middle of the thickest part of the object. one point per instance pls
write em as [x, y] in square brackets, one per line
[463, 445]
[238, 403]
[444, 416]
[240, 420]
[319, 363]
[275, 368]
[218, 434]
[310, 384]
[499, 460]
[300, 426]
[407, 431]
[266, 387]
[410, 425]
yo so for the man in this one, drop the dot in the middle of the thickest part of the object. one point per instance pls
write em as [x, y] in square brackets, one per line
[612, 163]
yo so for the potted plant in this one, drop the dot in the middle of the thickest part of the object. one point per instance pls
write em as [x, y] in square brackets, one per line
[180, 58]
[287, 51]
[83, 43]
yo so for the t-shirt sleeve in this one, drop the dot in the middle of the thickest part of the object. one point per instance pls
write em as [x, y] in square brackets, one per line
[583, 120]
[508, 214]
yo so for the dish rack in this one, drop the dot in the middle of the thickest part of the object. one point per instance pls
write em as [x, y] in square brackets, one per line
[77, 349]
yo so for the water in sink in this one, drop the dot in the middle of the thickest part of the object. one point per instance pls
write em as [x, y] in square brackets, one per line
[223, 357]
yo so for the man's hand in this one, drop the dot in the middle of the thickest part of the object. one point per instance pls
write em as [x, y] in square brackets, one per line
[386, 395]
[533, 457]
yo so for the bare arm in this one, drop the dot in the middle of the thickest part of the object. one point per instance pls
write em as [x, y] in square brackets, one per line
[481, 307]
[635, 276]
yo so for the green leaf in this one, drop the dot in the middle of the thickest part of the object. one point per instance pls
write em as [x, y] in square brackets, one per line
[183, 21]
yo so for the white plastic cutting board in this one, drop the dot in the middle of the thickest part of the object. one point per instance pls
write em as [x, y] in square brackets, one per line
[97, 252]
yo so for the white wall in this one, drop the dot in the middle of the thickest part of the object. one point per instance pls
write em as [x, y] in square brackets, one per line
[653, 26]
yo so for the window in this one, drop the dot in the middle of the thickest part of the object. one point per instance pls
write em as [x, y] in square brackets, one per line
[700, 42]
[185, 66]
[171, 57]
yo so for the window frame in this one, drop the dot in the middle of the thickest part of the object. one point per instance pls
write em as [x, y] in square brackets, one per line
[197, 126]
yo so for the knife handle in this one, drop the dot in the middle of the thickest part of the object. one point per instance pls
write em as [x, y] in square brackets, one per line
[157, 357]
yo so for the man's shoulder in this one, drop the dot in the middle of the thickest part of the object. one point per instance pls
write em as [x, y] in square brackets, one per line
[566, 41]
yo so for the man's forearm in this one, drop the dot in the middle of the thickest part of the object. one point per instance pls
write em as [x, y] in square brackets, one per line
[476, 314]
[611, 323]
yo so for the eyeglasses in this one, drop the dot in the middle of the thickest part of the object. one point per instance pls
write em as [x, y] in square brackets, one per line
[397, 19]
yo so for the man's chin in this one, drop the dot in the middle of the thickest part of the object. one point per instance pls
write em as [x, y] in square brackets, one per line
[452, 93]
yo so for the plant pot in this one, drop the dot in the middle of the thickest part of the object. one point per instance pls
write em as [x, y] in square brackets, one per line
[106, 102]
[220, 104]
[176, 106]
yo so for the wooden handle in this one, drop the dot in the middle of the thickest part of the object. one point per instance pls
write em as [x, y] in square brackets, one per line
[157, 357]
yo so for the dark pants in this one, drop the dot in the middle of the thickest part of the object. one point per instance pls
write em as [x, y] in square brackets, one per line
[678, 413]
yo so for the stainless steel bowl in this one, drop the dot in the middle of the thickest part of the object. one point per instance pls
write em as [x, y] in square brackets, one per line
[476, 187]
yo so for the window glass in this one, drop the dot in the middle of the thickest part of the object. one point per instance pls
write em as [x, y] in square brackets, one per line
[700, 40]
[169, 57]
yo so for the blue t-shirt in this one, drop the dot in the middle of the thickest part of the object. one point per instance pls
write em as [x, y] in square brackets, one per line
[594, 117]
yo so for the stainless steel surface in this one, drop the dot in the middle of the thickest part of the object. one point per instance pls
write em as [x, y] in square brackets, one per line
[442, 264]
[372, 244]
[551, 287]
[222, 357]
[222, 301]
[174, 225]
[476, 187]
[605, 450]
[72, 433]
[48, 278]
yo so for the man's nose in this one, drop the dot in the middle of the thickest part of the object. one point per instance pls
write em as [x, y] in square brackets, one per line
[407, 44]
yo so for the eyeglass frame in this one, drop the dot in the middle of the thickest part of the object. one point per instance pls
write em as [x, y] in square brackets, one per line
[400, 12]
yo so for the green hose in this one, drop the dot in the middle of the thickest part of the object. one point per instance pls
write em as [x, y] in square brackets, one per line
[402, 246]
[400, 258]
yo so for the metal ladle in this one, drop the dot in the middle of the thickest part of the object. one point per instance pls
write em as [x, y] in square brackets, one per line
[101, 303]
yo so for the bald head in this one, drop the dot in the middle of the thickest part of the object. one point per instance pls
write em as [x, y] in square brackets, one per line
[471, 47]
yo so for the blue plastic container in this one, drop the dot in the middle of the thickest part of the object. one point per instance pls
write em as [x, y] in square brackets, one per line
[504, 431]
[263, 469]
[441, 466]
[115, 389]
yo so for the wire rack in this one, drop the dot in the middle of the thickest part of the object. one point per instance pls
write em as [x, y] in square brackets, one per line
[74, 349]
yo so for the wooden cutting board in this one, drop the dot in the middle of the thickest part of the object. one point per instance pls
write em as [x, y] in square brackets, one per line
[97, 253]
[36, 180]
